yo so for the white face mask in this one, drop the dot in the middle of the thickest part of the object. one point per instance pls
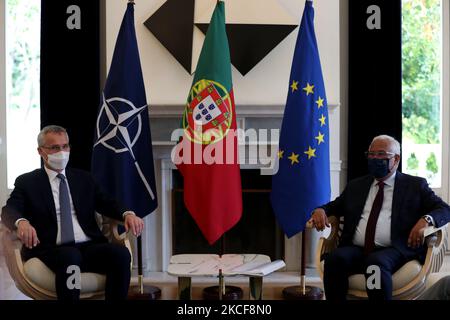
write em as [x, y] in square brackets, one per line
[58, 160]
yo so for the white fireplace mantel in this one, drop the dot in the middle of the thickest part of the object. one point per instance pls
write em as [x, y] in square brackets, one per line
[157, 237]
[254, 111]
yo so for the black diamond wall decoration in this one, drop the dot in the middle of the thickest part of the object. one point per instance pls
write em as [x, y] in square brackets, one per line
[173, 25]
[250, 43]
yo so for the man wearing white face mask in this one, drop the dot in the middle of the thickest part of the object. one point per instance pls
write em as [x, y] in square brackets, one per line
[53, 210]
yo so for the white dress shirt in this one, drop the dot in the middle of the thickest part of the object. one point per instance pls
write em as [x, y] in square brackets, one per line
[383, 229]
[80, 236]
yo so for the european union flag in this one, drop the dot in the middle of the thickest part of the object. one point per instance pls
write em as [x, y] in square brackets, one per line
[122, 160]
[302, 182]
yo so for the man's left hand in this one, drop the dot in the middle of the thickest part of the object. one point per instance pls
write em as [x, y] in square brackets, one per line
[415, 238]
[134, 223]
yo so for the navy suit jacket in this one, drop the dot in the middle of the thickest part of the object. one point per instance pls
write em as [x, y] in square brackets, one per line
[32, 199]
[412, 199]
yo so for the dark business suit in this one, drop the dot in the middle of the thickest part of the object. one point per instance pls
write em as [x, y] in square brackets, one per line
[32, 199]
[412, 198]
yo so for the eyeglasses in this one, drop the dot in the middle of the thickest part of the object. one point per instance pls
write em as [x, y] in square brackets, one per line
[57, 147]
[379, 154]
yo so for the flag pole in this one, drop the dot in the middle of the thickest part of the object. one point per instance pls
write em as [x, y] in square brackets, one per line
[303, 266]
[303, 292]
[102, 159]
[222, 246]
[143, 292]
[140, 273]
[222, 288]
[222, 291]
[292, 202]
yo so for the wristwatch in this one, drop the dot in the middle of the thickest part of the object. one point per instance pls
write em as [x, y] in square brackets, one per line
[428, 219]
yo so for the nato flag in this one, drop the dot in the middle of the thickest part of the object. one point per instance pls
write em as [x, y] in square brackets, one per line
[122, 160]
[302, 182]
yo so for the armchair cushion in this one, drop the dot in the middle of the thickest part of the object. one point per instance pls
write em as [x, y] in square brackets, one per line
[39, 274]
[400, 278]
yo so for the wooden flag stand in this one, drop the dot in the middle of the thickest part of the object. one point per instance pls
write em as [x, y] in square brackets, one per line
[302, 292]
[222, 292]
[142, 292]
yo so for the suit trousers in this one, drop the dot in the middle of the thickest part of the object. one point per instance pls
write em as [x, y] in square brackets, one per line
[348, 260]
[113, 260]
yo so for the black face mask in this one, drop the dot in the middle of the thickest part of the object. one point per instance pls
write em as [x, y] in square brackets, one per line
[379, 168]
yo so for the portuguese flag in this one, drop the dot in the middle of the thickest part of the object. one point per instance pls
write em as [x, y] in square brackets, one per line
[207, 155]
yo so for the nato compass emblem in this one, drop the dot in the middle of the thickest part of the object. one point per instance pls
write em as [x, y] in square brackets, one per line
[119, 126]
[208, 115]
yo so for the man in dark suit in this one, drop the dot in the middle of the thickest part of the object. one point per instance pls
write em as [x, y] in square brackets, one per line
[53, 210]
[385, 214]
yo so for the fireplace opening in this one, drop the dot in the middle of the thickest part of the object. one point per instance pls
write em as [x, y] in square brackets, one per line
[256, 232]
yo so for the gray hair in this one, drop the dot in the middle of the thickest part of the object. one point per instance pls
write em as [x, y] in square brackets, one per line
[49, 129]
[394, 144]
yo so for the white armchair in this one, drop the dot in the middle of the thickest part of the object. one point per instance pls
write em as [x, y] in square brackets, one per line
[34, 279]
[409, 281]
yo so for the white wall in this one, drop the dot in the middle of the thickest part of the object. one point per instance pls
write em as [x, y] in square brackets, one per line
[3, 172]
[343, 124]
[167, 83]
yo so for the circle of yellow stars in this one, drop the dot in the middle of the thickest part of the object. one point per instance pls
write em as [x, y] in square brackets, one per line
[311, 153]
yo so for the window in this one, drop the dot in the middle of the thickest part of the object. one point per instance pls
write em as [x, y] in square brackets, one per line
[22, 86]
[422, 82]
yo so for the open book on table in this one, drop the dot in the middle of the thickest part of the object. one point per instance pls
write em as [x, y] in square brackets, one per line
[257, 269]
[230, 264]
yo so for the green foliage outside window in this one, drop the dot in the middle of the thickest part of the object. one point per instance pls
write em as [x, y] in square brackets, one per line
[431, 164]
[421, 38]
[412, 163]
[23, 53]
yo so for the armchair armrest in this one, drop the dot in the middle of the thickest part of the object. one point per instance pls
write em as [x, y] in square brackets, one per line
[11, 243]
[11, 246]
[110, 229]
[436, 241]
[115, 231]
[434, 231]
[330, 243]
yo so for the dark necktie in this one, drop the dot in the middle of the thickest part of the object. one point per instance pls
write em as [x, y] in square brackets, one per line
[67, 235]
[369, 241]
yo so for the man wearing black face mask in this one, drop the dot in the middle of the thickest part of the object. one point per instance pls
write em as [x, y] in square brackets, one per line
[385, 214]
